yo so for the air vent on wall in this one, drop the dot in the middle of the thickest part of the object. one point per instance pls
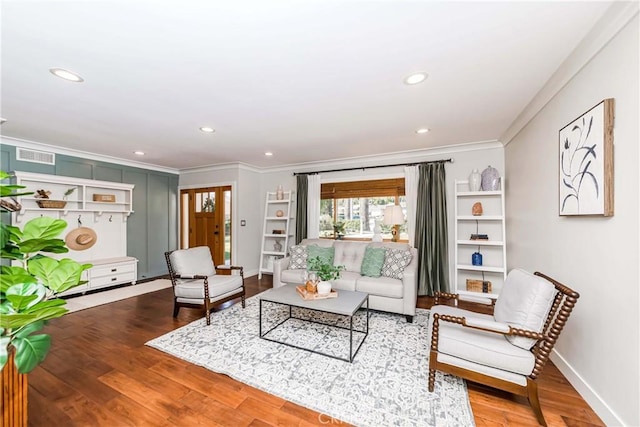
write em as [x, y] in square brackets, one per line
[35, 156]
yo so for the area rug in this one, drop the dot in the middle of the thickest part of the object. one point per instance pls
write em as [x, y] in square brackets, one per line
[386, 385]
[105, 297]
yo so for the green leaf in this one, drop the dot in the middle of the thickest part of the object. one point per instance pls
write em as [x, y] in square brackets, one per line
[57, 275]
[4, 350]
[4, 175]
[18, 320]
[56, 246]
[14, 276]
[20, 302]
[29, 329]
[11, 252]
[25, 295]
[9, 233]
[57, 302]
[31, 351]
[43, 227]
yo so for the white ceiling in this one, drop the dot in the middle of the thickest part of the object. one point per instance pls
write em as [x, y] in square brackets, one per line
[307, 80]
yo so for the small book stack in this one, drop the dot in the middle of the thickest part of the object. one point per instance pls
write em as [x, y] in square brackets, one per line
[479, 237]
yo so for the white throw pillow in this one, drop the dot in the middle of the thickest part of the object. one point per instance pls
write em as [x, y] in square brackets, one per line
[299, 257]
[524, 302]
[395, 261]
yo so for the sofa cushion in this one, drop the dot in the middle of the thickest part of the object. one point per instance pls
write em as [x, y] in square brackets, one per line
[524, 302]
[372, 262]
[293, 276]
[380, 286]
[325, 254]
[347, 281]
[299, 257]
[349, 254]
[395, 261]
[193, 262]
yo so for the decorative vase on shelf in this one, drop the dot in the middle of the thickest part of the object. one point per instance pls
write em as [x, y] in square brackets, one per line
[476, 209]
[279, 193]
[324, 287]
[490, 179]
[475, 180]
[476, 258]
[277, 246]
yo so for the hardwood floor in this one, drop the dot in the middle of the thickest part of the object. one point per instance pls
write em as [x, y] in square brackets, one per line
[100, 373]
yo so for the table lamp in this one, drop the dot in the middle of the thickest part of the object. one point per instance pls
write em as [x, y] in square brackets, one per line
[393, 216]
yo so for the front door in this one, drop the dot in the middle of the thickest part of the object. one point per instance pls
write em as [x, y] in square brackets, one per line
[206, 221]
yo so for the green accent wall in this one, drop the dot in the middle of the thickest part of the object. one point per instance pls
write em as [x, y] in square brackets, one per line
[153, 227]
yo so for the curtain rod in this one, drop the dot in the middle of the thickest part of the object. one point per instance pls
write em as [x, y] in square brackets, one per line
[372, 167]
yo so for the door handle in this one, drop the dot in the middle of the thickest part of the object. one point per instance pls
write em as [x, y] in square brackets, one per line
[216, 233]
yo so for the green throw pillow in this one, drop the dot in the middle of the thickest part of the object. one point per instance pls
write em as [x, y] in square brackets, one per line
[372, 262]
[325, 254]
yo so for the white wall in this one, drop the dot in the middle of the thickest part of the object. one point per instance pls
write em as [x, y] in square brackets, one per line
[252, 186]
[598, 257]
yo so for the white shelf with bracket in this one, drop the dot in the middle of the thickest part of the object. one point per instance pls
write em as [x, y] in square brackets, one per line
[493, 249]
[272, 222]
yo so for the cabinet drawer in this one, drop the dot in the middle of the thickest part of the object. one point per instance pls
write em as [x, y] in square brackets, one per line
[114, 279]
[111, 270]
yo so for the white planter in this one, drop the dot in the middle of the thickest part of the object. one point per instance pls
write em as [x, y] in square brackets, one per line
[324, 288]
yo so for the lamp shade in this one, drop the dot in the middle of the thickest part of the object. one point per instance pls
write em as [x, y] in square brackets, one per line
[393, 215]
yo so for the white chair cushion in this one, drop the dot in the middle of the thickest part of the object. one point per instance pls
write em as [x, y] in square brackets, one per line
[193, 261]
[349, 254]
[524, 302]
[218, 285]
[484, 348]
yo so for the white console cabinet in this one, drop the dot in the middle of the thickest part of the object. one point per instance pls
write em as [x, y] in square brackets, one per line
[85, 206]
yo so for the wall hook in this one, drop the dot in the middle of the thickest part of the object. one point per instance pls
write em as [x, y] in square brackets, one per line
[110, 218]
[79, 219]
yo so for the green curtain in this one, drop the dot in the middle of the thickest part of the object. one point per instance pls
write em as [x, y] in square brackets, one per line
[431, 230]
[302, 194]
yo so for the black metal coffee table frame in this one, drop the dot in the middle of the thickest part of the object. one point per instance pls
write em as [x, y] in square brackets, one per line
[352, 354]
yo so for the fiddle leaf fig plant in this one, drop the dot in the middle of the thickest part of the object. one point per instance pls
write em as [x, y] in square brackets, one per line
[29, 287]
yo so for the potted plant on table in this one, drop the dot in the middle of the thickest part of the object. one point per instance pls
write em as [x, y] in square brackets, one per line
[29, 288]
[325, 271]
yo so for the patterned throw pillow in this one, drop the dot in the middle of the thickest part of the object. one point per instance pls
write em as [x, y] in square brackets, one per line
[299, 256]
[395, 261]
[372, 262]
[326, 254]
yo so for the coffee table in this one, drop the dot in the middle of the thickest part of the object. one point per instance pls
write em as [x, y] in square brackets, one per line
[346, 304]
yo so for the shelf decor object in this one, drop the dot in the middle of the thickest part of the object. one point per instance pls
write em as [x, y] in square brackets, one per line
[490, 179]
[475, 180]
[586, 163]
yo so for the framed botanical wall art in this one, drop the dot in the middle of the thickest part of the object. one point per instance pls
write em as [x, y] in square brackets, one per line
[586, 163]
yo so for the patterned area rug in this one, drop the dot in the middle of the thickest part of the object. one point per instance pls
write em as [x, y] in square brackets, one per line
[386, 385]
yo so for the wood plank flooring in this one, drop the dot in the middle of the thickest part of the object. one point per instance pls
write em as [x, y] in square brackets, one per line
[100, 373]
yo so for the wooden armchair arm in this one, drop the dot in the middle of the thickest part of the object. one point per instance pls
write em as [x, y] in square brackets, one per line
[231, 267]
[483, 325]
[189, 276]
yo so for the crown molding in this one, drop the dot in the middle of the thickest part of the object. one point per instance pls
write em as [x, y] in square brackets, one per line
[610, 24]
[23, 143]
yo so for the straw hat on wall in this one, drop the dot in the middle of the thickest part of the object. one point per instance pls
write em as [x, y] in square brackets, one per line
[81, 238]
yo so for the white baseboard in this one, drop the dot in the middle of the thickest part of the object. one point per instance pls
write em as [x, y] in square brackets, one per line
[598, 405]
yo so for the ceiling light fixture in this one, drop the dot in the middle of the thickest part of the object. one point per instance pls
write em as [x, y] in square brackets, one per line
[268, 154]
[66, 74]
[415, 78]
[423, 130]
[139, 153]
[207, 129]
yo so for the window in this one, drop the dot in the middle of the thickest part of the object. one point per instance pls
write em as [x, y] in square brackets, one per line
[352, 209]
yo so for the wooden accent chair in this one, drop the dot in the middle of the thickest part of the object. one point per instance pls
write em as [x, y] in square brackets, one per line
[196, 284]
[509, 348]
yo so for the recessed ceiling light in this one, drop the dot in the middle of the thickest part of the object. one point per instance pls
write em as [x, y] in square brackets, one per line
[139, 153]
[423, 130]
[416, 78]
[66, 74]
[268, 154]
[207, 129]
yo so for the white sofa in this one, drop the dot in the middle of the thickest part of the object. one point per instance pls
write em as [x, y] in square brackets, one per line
[385, 293]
